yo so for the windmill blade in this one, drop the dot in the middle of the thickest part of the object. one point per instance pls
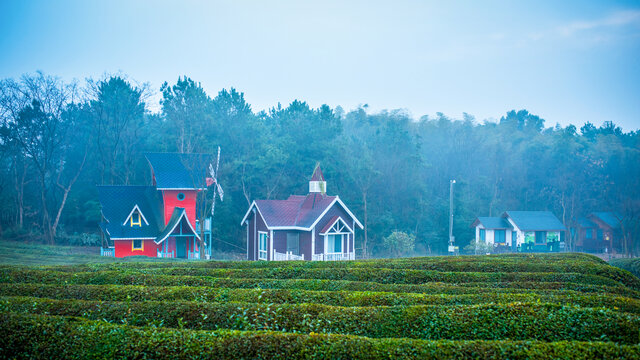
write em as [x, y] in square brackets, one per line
[220, 192]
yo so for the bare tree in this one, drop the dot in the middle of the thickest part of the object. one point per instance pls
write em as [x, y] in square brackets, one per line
[41, 131]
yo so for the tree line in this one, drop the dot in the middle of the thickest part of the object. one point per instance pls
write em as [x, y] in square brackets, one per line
[59, 140]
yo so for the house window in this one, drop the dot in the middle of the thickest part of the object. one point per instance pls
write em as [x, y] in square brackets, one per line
[588, 234]
[541, 237]
[499, 236]
[293, 243]
[262, 246]
[482, 235]
[137, 244]
[599, 234]
[553, 236]
[180, 196]
[136, 219]
[334, 244]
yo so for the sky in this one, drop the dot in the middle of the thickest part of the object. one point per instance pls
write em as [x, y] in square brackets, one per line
[567, 61]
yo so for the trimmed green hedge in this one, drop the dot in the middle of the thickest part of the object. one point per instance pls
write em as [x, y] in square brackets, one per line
[572, 263]
[335, 298]
[39, 337]
[385, 276]
[138, 278]
[631, 265]
[516, 262]
[517, 321]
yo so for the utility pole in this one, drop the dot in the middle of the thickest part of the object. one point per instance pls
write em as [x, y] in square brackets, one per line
[452, 248]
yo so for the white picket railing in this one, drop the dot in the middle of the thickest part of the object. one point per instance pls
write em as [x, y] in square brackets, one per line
[110, 251]
[194, 254]
[334, 257]
[168, 254]
[286, 256]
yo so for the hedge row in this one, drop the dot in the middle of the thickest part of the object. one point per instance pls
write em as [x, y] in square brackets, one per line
[335, 298]
[517, 321]
[631, 265]
[582, 267]
[383, 276]
[521, 263]
[386, 276]
[38, 337]
[138, 278]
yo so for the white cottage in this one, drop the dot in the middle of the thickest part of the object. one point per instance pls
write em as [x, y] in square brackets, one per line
[521, 231]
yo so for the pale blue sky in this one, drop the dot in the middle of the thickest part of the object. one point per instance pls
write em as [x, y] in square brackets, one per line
[567, 61]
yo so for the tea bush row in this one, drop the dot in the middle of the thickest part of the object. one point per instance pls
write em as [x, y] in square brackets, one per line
[516, 321]
[137, 278]
[294, 296]
[51, 337]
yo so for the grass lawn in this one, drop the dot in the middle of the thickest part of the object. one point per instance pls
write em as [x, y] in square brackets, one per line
[21, 253]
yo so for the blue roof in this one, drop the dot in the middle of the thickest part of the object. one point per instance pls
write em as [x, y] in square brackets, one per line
[117, 203]
[493, 222]
[535, 220]
[179, 171]
[608, 218]
[179, 214]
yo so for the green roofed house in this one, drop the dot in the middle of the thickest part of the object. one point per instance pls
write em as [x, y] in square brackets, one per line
[538, 231]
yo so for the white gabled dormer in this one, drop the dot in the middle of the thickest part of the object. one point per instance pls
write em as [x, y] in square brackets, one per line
[135, 218]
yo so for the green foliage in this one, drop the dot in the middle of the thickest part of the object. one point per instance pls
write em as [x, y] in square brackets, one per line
[631, 265]
[506, 306]
[479, 247]
[389, 168]
[516, 321]
[437, 295]
[39, 337]
[399, 243]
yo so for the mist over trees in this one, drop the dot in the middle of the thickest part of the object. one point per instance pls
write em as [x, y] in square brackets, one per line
[58, 140]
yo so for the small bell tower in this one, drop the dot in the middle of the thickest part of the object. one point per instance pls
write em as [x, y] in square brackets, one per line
[317, 183]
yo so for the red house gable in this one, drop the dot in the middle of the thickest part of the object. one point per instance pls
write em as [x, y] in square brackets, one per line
[158, 220]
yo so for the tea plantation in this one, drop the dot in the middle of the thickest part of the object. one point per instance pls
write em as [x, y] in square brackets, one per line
[551, 306]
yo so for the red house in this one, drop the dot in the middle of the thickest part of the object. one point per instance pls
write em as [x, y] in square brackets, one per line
[310, 227]
[157, 220]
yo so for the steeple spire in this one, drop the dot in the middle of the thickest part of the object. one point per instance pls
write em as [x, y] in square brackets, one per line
[317, 183]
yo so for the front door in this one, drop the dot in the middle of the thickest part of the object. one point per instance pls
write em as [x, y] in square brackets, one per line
[514, 241]
[181, 247]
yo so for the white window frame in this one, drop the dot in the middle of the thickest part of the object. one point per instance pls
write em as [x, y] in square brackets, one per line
[262, 253]
[341, 243]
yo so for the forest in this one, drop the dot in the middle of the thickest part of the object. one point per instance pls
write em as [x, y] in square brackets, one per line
[59, 139]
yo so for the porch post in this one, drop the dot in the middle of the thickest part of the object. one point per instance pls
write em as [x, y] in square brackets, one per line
[271, 249]
[313, 242]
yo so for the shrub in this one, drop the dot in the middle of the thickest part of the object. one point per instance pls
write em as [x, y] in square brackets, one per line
[294, 296]
[128, 277]
[516, 321]
[51, 337]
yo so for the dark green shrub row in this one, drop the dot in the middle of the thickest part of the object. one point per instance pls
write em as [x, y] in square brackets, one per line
[385, 276]
[137, 278]
[335, 298]
[517, 321]
[39, 337]
[521, 266]
[503, 263]
[631, 265]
